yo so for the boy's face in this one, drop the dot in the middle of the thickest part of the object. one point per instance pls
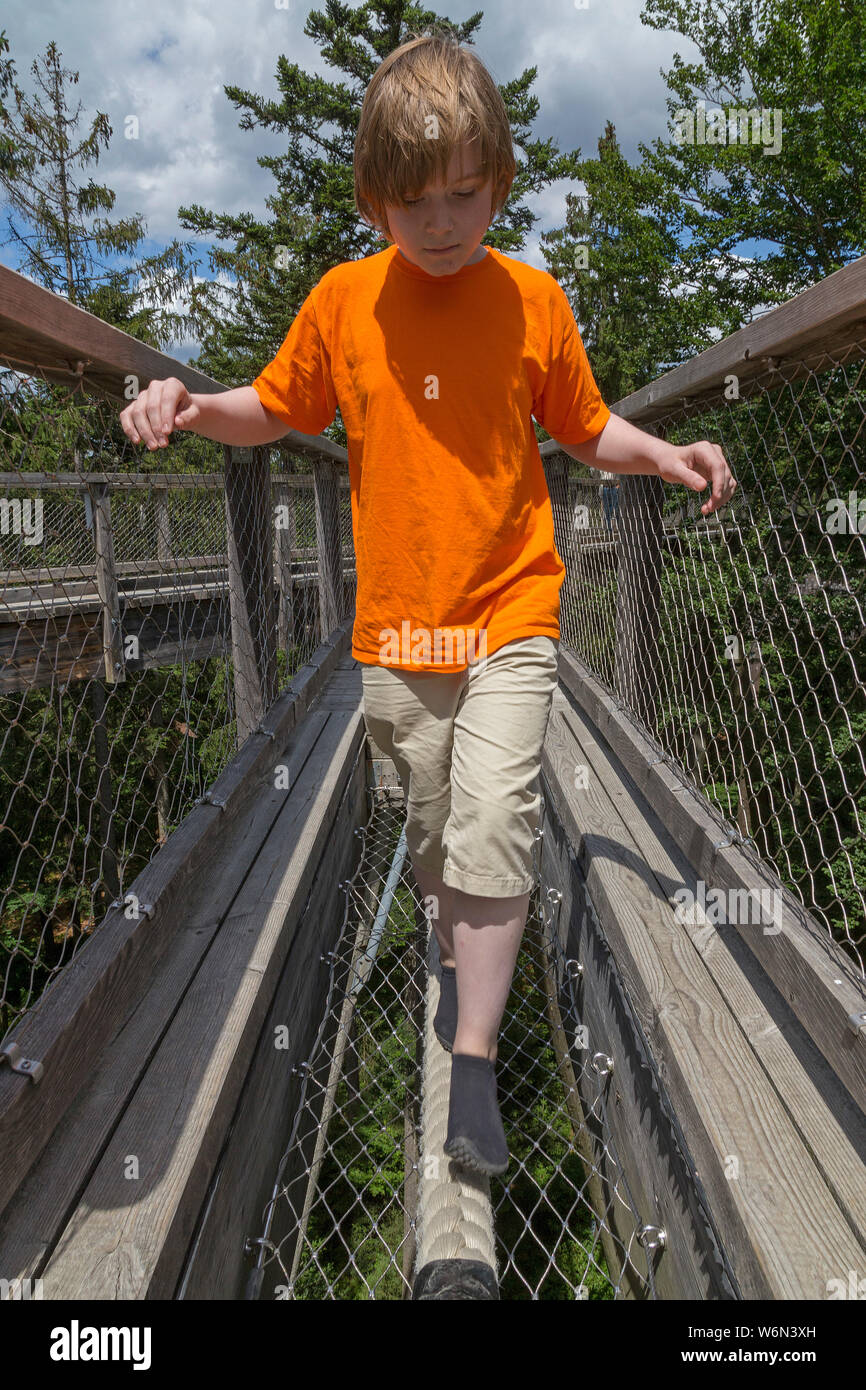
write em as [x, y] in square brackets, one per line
[454, 215]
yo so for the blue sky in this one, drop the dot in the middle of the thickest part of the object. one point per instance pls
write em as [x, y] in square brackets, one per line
[167, 65]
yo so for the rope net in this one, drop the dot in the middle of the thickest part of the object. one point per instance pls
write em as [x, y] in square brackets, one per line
[342, 1221]
[148, 619]
[134, 606]
[736, 641]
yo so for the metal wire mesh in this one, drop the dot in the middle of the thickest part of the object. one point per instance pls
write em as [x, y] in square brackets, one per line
[341, 1221]
[136, 618]
[745, 669]
[750, 651]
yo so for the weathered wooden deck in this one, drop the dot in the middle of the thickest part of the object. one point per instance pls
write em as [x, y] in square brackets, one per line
[144, 1157]
[712, 1074]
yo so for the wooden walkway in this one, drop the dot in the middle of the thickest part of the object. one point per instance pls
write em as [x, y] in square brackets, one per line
[719, 1079]
[141, 1162]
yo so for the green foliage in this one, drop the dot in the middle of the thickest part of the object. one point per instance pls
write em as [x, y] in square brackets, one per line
[61, 228]
[664, 272]
[547, 1239]
[170, 733]
[632, 287]
[809, 63]
[787, 590]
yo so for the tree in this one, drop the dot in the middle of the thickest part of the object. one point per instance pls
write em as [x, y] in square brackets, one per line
[803, 67]
[629, 282]
[314, 223]
[7, 79]
[38, 158]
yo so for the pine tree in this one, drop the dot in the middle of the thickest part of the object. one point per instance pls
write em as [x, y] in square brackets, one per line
[629, 282]
[7, 78]
[313, 220]
[63, 237]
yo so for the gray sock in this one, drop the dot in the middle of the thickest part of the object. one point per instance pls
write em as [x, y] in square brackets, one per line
[475, 1135]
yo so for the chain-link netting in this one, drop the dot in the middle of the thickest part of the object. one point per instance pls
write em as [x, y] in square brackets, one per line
[736, 640]
[150, 618]
[147, 621]
[342, 1219]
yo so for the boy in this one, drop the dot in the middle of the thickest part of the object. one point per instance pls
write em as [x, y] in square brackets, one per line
[438, 350]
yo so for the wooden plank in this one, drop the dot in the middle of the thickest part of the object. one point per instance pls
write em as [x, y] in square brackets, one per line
[33, 1223]
[810, 970]
[638, 594]
[650, 1165]
[167, 636]
[37, 652]
[73, 582]
[39, 329]
[130, 1242]
[43, 652]
[106, 584]
[45, 335]
[285, 528]
[251, 587]
[723, 1099]
[328, 545]
[243, 1183]
[75, 596]
[78, 1014]
[817, 1103]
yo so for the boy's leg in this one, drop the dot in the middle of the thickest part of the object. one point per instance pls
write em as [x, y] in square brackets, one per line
[487, 935]
[496, 806]
[441, 909]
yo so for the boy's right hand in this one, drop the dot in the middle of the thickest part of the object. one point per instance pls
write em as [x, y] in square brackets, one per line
[162, 407]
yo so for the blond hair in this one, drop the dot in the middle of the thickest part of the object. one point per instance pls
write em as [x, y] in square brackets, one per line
[395, 158]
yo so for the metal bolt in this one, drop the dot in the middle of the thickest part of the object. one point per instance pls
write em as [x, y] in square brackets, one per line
[652, 1237]
[602, 1063]
[27, 1066]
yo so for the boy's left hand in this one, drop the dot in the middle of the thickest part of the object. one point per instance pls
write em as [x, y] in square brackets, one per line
[697, 464]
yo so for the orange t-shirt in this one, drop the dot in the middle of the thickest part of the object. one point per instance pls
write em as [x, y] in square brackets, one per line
[436, 378]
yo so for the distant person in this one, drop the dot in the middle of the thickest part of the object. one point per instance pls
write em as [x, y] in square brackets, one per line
[438, 351]
[609, 497]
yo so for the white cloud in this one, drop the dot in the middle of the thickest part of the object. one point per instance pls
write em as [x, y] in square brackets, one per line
[167, 65]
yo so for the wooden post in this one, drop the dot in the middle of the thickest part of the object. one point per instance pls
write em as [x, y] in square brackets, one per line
[163, 525]
[251, 587]
[285, 544]
[163, 801]
[639, 552]
[558, 475]
[104, 796]
[106, 583]
[330, 558]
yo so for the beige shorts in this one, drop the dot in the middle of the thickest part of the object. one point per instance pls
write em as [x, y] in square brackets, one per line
[467, 746]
